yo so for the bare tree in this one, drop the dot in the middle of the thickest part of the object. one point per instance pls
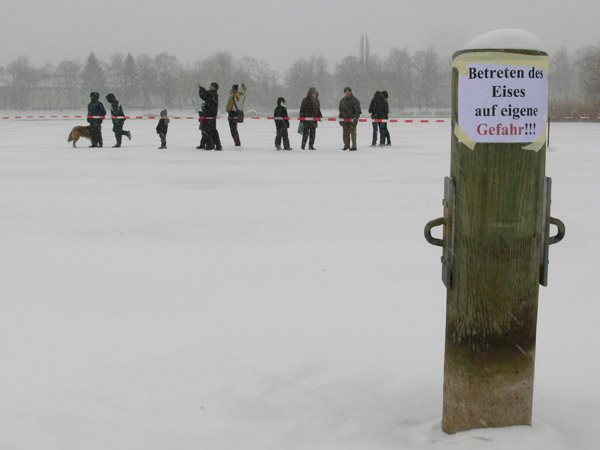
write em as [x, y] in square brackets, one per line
[306, 73]
[148, 79]
[68, 76]
[588, 71]
[22, 80]
[168, 69]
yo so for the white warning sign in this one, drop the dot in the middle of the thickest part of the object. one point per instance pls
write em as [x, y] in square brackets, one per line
[502, 103]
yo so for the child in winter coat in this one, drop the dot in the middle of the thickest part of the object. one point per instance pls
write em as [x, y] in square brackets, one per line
[281, 125]
[162, 128]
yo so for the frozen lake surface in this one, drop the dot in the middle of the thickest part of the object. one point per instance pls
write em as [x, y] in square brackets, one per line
[255, 299]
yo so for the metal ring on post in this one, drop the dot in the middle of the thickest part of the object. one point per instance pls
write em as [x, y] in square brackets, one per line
[561, 231]
[432, 224]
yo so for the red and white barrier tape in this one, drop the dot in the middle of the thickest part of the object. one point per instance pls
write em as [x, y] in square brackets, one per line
[306, 119]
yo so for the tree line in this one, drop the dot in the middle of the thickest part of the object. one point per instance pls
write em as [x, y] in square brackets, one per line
[418, 82]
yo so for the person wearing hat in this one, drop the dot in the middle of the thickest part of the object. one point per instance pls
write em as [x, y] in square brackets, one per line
[95, 110]
[235, 110]
[350, 112]
[116, 111]
[208, 117]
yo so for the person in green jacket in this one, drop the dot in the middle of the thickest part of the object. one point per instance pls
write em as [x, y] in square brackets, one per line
[350, 112]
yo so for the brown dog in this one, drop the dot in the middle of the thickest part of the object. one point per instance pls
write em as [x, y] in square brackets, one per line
[79, 132]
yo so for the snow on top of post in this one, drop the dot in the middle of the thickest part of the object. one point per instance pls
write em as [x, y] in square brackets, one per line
[507, 38]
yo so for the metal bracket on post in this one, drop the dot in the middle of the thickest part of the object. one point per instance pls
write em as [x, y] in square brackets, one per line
[447, 243]
[548, 240]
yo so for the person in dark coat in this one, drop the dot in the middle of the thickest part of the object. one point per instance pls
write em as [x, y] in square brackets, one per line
[281, 124]
[349, 111]
[208, 117]
[379, 111]
[116, 110]
[95, 108]
[310, 108]
[162, 128]
[385, 125]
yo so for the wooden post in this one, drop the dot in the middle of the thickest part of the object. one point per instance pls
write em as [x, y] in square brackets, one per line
[493, 225]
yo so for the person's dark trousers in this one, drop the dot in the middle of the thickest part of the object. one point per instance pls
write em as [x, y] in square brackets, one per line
[375, 128]
[210, 127]
[379, 127]
[282, 133]
[96, 134]
[387, 134]
[310, 135]
[163, 140]
[118, 130]
[233, 125]
[217, 138]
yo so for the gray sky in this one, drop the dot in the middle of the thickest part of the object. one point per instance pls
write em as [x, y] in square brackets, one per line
[278, 31]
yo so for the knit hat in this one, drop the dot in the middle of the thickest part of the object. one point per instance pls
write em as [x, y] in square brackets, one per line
[235, 87]
[347, 89]
[215, 85]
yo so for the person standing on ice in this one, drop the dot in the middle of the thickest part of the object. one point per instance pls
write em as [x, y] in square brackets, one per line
[162, 128]
[235, 110]
[310, 108]
[95, 110]
[388, 140]
[282, 123]
[208, 121]
[116, 111]
[350, 112]
[379, 111]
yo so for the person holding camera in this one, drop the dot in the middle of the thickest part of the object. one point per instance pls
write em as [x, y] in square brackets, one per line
[208, 116]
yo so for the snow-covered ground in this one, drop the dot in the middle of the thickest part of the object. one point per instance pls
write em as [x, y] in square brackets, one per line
[180, 299]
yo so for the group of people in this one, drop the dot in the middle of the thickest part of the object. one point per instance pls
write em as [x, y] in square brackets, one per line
[208, 114]
[349, 114]
[96, 111]
[310, 109]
